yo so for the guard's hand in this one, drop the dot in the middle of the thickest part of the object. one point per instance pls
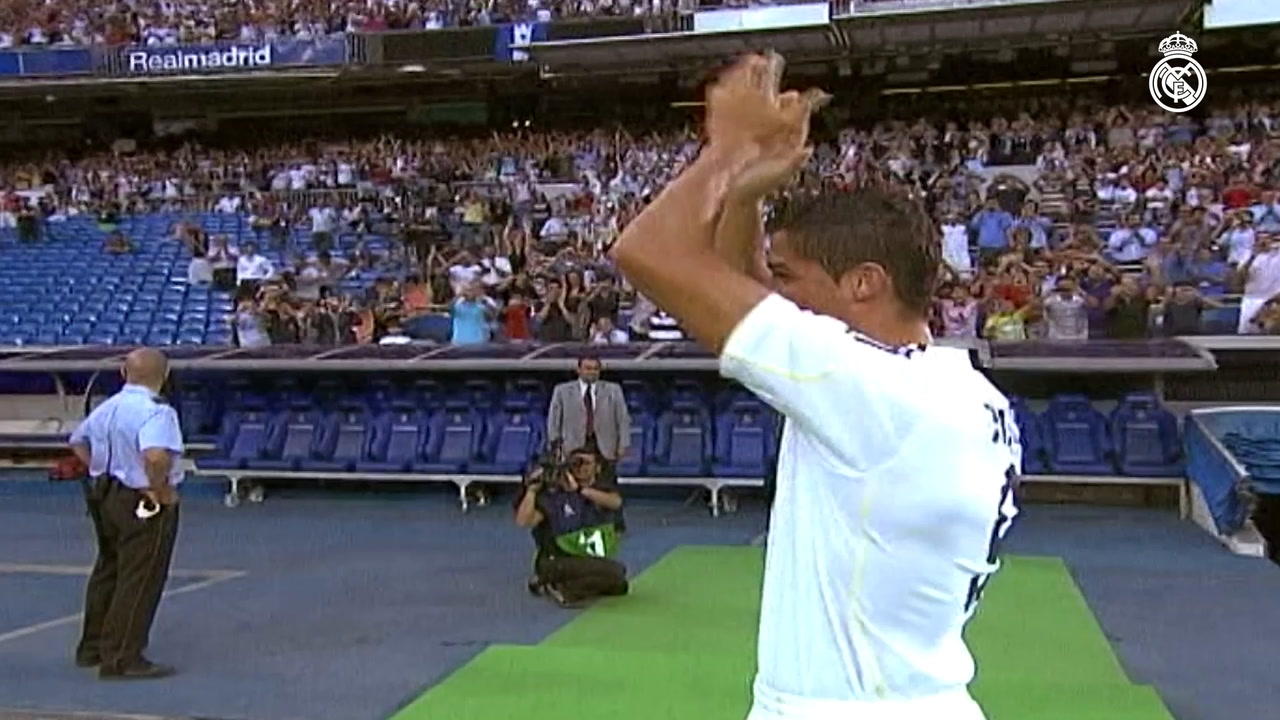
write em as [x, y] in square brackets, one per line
[165, 496]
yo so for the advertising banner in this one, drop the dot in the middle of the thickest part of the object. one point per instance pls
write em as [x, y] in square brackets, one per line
[513, 40]
[402, 48]
[602, 28]
[776, 17]
[37, 63]
[226, 57]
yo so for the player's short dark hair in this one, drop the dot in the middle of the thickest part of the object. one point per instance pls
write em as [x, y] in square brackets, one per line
[843, 229]
[589, 357]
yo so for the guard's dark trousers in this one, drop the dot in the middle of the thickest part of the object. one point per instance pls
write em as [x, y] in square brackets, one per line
[128, 577]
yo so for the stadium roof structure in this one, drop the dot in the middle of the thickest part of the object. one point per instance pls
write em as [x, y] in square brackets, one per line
[1099, 356]
[868, 29]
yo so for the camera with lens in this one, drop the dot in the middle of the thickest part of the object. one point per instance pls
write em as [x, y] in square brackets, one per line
[550, 466]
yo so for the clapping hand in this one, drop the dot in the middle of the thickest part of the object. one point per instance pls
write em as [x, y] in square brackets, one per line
[767, 131]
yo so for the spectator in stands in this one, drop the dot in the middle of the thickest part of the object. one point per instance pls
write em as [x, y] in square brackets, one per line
[1266, 213]
[1266, 321]
[1130, 242]
[556, 315]
[604, 332]
[1128, 309]
[516, 317]
[248, 327]
[992, 225]
[251, 268]
[1065, 312]
[1005, 322]
[958, 312]
[471, 314]
[1182, 311]
[573, 516]
[395, 334]
[223, 260]
[1260, 278]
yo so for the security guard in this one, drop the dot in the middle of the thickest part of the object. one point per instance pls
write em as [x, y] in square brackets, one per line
[132, 445]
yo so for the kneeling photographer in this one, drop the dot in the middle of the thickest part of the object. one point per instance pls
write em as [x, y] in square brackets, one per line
[572, 515]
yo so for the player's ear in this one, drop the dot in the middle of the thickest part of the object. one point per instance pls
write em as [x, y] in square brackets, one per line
[863, 282]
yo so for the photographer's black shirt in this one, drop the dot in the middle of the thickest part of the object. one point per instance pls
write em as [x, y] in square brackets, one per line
[565, 512]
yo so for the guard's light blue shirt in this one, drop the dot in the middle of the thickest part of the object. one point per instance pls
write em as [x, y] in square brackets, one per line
[119, 430]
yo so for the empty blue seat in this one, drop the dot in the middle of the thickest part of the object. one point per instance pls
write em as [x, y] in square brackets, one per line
[348, 435]
[244, 437]
[512, 436]
[640, 446]
[1077, 440]
[1031, 430]
[1146, 439]
[294, 436]
[682, 447]
[398, 437]
[744, 441]
[453, 439]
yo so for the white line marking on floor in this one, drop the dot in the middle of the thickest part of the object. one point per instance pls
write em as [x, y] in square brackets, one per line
[211, 578]
[38, 569]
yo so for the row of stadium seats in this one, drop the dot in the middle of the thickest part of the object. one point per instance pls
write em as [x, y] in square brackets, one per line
[64, 290]
[1072, 437]
[459, 438]
[686, 429]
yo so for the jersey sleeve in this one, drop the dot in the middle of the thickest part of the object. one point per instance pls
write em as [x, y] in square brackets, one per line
[161, 430]
[840, 388]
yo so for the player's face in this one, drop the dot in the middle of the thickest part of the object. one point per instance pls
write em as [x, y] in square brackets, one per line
[803, 281]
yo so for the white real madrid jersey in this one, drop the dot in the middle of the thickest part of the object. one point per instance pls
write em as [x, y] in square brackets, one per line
[895, 486]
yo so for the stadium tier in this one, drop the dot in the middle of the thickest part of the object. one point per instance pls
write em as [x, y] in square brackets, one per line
[1167, 355]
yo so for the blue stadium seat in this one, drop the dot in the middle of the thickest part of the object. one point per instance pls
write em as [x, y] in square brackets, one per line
[682, 447]
[1032, 431]
[640, 447]
[453, 439]
[244, 436]
[744, 441]
[197, 413]
[1146, 438]
[294, 437]
[1077, 439]
[398, 436]
[512, 436]
[348, 435]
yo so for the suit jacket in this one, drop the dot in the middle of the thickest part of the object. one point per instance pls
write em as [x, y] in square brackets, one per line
[567, 418]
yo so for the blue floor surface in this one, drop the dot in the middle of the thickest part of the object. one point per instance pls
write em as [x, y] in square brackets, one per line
[352, 605]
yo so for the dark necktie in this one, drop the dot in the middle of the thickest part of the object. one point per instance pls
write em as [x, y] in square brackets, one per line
[588, 401]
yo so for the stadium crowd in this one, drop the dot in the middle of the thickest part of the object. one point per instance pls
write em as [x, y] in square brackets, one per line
[193, 22]
[1067, 223]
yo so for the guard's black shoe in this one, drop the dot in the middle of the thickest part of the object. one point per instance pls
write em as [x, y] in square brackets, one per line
[140, 670]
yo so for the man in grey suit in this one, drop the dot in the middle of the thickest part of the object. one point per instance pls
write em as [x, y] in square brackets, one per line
[590, 413]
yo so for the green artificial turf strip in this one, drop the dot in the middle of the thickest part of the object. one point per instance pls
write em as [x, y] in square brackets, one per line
[1032, 622]
[682, 645]
[545, 683]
